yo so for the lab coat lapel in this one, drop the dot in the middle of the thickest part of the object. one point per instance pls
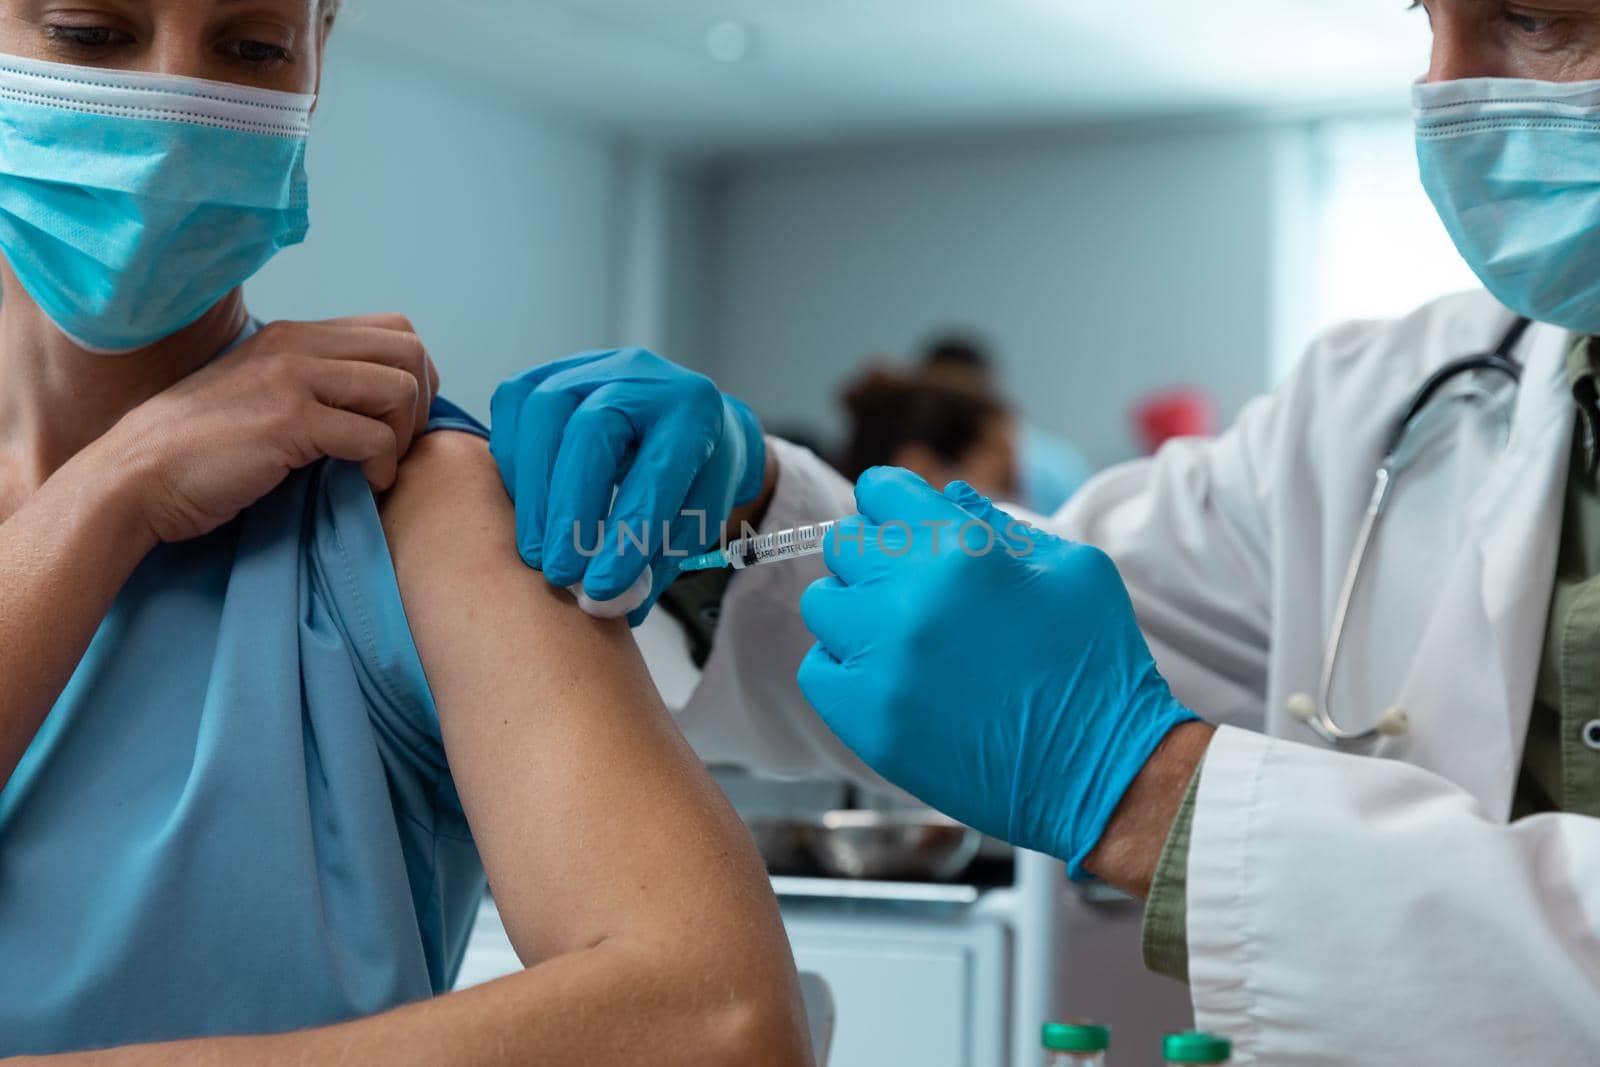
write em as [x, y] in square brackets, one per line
[1472, 687]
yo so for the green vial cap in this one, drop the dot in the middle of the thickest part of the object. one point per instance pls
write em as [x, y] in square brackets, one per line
[1076, 1037]
[1196, 1047]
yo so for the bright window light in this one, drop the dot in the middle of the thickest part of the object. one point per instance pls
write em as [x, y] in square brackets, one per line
[1383, 250]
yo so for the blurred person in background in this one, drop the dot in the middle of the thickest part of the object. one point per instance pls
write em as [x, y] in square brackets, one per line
[944, 425]
[1051, 468]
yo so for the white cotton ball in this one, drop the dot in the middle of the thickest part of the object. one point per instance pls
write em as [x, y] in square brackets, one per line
[636, 595]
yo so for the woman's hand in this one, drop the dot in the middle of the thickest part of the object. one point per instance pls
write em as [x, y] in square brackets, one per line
[183, 463]
[201, 452]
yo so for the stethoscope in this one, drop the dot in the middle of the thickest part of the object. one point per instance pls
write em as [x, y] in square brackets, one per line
[1425, 410]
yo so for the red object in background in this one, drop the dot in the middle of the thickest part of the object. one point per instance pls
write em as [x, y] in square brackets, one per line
[1182, 411]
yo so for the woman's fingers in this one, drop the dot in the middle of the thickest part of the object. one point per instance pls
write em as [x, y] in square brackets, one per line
[383, 320]
[386, 340]
[408, 347]
[381, 392]
[358, 390]
[371, 382]
[344, 434]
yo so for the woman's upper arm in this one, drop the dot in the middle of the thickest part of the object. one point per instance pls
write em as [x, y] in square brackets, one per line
[594, 818]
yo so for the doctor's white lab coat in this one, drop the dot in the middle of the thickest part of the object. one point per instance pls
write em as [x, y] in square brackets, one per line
[1341, 909]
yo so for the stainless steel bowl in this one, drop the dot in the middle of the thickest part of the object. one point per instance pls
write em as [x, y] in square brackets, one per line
[784, 844]
[891, 845]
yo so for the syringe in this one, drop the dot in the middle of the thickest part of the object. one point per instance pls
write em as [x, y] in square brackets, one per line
[779, 547]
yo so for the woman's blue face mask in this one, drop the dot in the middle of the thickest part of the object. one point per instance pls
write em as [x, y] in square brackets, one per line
[131, 203]
[1513, 168]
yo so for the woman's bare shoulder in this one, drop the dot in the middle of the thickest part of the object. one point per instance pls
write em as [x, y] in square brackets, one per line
[448, 490]
[452, 534]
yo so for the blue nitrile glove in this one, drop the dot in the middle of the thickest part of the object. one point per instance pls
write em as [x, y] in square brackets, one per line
[1008, 686]
[679, 455]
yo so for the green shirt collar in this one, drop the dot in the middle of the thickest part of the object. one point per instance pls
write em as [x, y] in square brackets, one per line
[1580, 359]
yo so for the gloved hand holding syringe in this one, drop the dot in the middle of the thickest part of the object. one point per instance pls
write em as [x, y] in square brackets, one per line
[755, 551]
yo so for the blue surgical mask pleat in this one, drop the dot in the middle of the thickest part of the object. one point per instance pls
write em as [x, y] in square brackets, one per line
[131, 203]
[1513, 168]
[155, 158]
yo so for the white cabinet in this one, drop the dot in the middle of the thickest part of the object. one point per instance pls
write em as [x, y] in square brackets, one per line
[490, 954]
[909, 991]
[950, 976]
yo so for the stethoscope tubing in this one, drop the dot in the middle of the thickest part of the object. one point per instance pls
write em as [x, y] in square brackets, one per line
[1317, 714]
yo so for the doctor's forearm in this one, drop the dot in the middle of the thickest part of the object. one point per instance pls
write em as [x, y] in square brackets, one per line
[1131, 848]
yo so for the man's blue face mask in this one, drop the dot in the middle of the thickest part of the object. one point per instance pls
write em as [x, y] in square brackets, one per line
[131, 203]
[1513, 168]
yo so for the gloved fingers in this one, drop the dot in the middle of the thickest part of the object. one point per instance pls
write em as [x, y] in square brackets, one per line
[837, 616]
[591, 463]
[850, 550]
[834, 691]
[505, 412]
[575, 374]
[506, 425]
[746, 427]
[540, 425]
[698, 528]
[860, 551]
[661, 573]
[890, 494]
[638, 368]
[826, 685]
[701, 524]
[505, 409]
[649, 502]
[1009, 532]
[968, 498]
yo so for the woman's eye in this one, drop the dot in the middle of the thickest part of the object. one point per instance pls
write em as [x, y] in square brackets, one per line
[258, 53]
[89, 37]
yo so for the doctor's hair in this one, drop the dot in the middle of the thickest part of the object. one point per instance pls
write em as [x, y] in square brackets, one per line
[944, 409]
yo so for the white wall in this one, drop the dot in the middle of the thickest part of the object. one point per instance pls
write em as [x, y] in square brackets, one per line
[493, 229]
[1381, 249]
[1101, 263]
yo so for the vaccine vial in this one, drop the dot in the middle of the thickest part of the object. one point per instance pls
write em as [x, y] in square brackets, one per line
[1194, 1048]
[1075, 1044]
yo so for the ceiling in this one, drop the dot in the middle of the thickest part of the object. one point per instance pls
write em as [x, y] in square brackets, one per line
[806, 71]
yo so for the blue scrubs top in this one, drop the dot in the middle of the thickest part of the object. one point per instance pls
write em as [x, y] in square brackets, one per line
[238, 818]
